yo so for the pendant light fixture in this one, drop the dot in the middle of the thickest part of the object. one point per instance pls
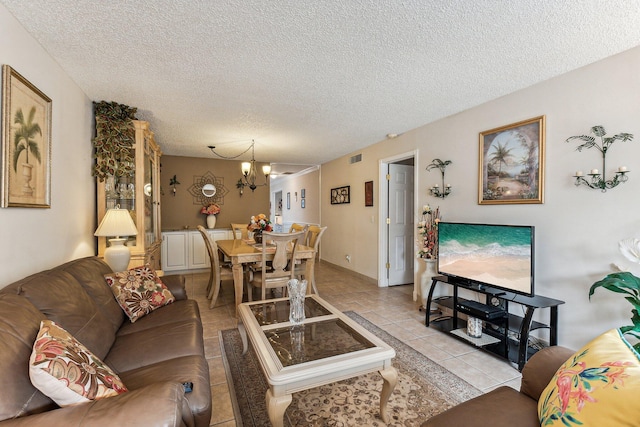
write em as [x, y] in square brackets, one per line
[249, 171]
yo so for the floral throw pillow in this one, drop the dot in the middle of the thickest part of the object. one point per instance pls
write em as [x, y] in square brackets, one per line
[139, 291]
[66, 371]
[598, 386]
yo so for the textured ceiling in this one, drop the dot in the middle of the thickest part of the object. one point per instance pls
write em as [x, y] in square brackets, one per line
[312, 80]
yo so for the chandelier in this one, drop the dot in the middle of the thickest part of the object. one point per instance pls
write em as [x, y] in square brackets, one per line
[249, 171]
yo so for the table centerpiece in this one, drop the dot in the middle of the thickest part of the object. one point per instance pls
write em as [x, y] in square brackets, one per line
[257, 225]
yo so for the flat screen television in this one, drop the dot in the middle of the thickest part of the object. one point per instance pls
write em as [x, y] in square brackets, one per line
[499, 256]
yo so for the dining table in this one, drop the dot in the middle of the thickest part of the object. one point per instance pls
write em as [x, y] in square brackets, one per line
[241, 252]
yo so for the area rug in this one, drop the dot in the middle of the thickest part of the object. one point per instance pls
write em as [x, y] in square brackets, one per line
[424, 389]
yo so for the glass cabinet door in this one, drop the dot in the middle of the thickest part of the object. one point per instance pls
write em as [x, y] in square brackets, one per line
[138, 192]
[149, 205]
[120, 191]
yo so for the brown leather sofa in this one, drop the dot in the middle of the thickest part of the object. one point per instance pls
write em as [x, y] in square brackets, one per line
[504, 406]
[152, 356]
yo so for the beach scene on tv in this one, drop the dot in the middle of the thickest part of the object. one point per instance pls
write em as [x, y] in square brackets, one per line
[492, 254]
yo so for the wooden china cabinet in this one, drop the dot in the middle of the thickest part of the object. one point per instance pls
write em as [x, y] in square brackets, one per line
[139, 193]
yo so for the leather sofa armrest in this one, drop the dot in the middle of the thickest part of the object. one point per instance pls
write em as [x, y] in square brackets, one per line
[158, 404]
[176, 284]
[539, 370]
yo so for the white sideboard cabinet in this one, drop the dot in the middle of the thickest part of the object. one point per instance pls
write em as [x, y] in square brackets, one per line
[185, 249]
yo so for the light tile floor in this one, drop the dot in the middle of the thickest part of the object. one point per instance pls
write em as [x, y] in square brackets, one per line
[391, 309]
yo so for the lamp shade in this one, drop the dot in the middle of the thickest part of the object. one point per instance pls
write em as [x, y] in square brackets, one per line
[116, 222]
[246, 168]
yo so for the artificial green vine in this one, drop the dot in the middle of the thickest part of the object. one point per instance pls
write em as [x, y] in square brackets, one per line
[115, 137]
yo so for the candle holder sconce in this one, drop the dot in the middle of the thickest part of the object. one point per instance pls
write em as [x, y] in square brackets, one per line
[435, 190]
[596, 179]
[173, 182]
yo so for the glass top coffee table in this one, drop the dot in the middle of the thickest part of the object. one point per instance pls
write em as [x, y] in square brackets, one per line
[327, 347]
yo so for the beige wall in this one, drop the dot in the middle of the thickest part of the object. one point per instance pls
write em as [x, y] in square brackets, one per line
[35, 239]
[353, 227]
[182, 210]
[577, 229]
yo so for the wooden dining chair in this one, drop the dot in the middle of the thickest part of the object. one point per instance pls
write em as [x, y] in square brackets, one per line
[217, 272]
[313, 240]
[277, 272]
[295, 227]
[240, 231]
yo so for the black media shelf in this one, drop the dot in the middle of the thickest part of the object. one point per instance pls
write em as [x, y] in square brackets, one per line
[510, 330]
[515, 321]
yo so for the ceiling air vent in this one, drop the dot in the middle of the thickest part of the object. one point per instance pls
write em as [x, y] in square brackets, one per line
[355, 159]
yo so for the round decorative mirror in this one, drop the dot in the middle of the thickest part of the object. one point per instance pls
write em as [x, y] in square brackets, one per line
[209, 190]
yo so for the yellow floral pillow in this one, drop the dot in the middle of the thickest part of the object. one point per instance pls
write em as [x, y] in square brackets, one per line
[66, 371]
[139, 291]
[599, 386]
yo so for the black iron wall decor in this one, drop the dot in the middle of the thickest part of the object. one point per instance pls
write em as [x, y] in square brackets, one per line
[200, 181]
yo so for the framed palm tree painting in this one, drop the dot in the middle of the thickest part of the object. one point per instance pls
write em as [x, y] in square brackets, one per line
[511, 166]
[26, 143]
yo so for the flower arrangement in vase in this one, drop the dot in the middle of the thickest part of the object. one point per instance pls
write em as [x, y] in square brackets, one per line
[211, 210]
[427, 248]
[428, 231]
[258, 224]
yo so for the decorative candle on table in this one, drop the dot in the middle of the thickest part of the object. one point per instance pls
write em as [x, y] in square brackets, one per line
[474, 327]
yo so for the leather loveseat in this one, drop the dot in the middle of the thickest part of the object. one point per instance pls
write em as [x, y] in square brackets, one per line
[504, 406]
[152, 356]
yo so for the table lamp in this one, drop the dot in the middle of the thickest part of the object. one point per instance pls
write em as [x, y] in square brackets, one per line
[117, 222]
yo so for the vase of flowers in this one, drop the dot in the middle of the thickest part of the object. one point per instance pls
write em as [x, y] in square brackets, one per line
[257, 225]
[211, 211]
[428, 231]
[427, 247]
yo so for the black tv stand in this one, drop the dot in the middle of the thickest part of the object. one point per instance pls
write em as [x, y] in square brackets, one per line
[507, 334]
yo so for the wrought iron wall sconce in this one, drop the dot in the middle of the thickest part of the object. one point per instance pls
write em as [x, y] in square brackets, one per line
[596, 179]
[173, 182]
[435, 190]
[240, 187]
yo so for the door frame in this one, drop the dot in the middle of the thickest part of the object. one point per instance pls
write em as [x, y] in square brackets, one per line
[383, 191]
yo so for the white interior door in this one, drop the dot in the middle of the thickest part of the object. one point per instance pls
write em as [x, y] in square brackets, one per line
[400, 241]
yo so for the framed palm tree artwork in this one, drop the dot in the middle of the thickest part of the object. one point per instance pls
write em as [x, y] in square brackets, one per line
[511, 168]
[26, 143]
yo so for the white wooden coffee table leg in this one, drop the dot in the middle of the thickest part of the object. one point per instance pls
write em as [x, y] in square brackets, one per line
[243, 337]
[390, 377]
[276, 406]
